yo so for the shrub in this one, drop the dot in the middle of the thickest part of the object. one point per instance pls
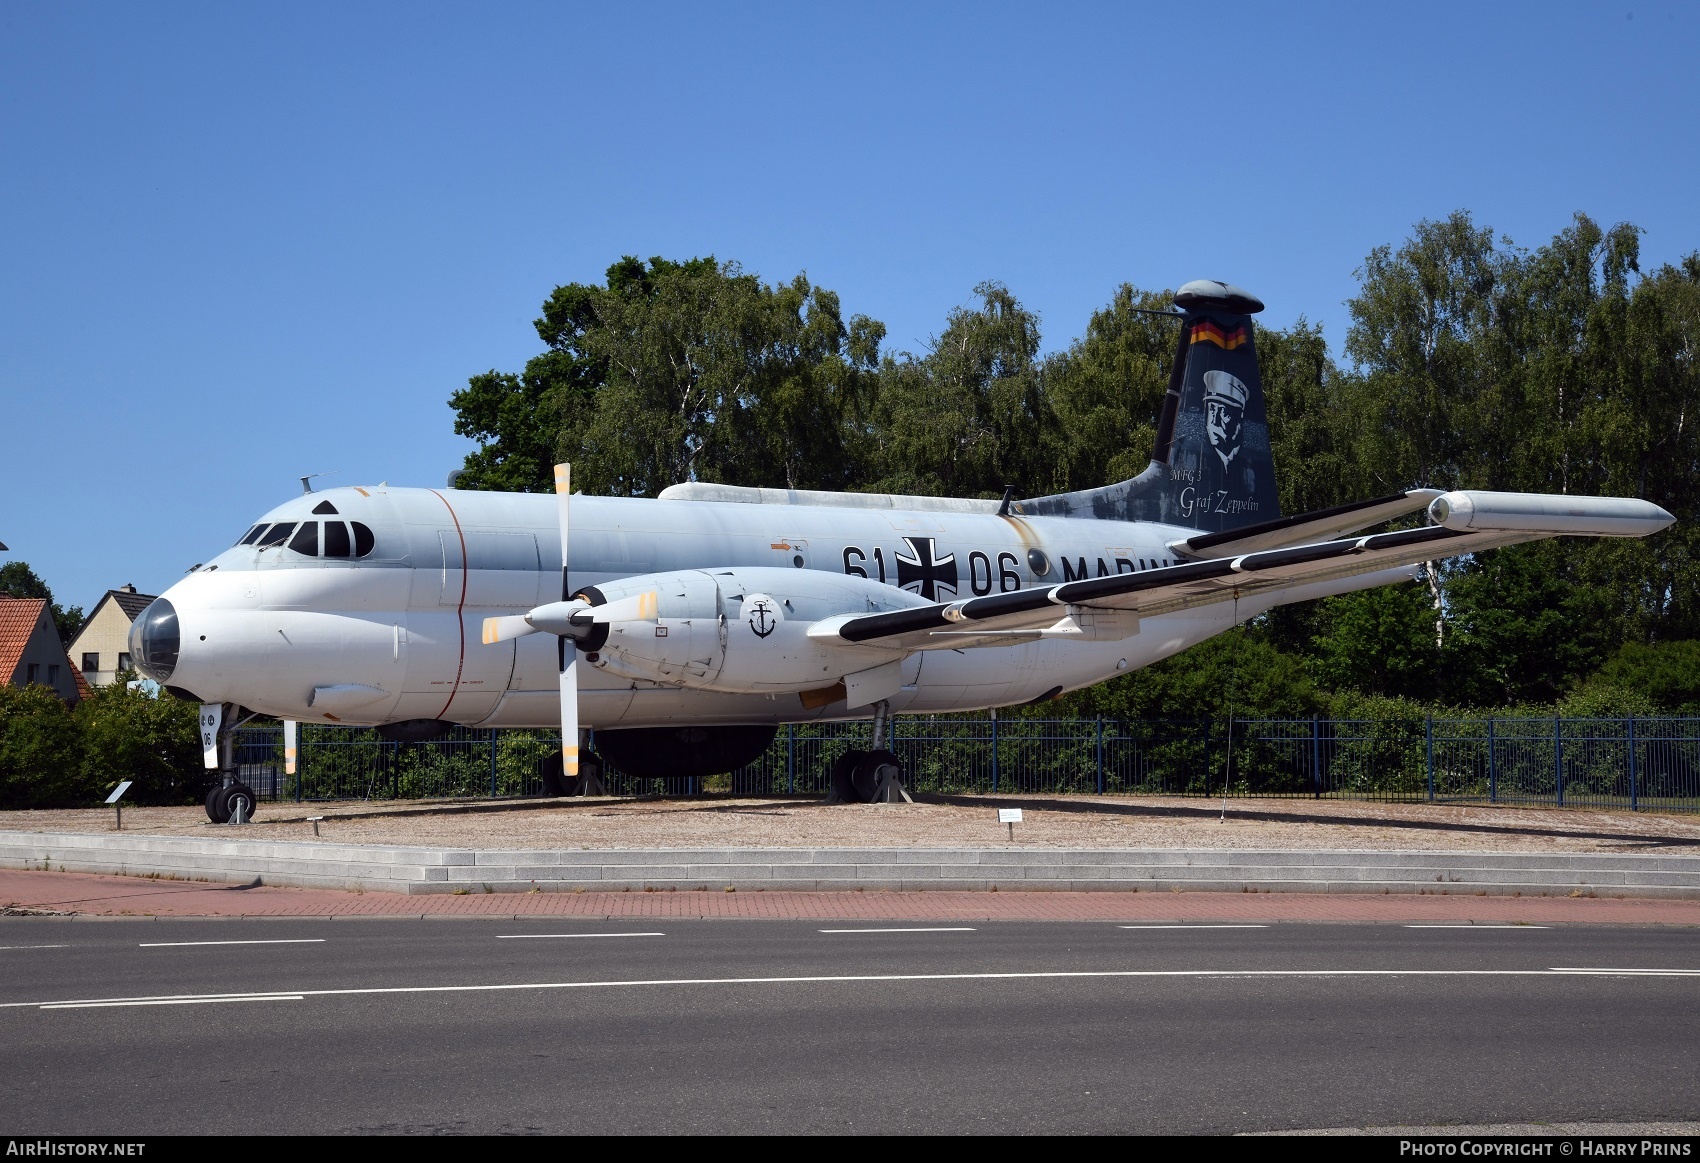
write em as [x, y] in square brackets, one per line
[152, 741]
[41, 750]
[1665, 674]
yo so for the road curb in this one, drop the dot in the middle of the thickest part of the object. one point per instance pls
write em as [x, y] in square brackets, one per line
[419, 870]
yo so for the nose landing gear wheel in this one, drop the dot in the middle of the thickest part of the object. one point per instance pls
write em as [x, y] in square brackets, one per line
[223, 801]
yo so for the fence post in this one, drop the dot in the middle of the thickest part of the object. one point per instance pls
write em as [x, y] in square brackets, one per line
[1429, 735]
[1634, 796]
[1493, 767]
[1100, 754]
[1316, 753]
[994, 750]
[300, 767]
[790, 759]
[492, 763]
[1558, 758]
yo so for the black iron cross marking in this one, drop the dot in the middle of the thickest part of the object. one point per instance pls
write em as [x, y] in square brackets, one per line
[917, 568]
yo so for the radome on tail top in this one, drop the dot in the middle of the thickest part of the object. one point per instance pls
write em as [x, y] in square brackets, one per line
[684, 630]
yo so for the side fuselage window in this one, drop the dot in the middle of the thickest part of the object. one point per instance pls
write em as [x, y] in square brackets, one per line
[306, 541]
[363, 540]
[336, 539]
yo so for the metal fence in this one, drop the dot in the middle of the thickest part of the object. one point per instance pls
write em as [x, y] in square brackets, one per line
[1633, 763]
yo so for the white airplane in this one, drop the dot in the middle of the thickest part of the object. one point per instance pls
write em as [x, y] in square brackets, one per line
[685, 629]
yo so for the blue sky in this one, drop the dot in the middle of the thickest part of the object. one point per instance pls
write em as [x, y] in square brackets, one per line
[241, 242]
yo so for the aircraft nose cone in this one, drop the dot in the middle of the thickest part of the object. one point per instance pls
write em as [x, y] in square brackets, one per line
[155, 640]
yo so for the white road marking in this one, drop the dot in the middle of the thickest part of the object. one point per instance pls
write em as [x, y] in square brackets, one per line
[539, 936]
[1192, 926]
[173, 1001]
[5, 947]
[281, 941]
[1641, 972]
[1476, 926]
[823, 979]
[958, 929]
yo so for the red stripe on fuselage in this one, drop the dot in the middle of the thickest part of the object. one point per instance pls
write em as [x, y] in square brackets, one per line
[460, 608]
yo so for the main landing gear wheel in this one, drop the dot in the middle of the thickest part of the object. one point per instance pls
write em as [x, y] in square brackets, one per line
[591, 773]
[841, 787]
[224, 800]
[876, 775]
[555, 781]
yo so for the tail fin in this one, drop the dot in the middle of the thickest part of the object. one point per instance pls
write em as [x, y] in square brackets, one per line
[1212, 468]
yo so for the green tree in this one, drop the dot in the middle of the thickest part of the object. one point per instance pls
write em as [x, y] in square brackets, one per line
[19, 580]
[1379, 642]
[1524, 632]
[972, 414]
[677, 371]
[1107, 390]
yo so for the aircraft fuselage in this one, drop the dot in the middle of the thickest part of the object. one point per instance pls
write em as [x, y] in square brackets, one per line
[263, 627]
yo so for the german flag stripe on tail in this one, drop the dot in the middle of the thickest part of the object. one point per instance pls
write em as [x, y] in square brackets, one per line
[1207, 332]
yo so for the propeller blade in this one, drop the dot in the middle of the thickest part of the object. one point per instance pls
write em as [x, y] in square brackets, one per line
[568, 649]
[507, 626]
[569, 708]
[563, 502]
[637, 608]
[290, 727]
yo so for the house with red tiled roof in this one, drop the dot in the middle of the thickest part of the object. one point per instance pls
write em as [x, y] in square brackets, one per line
[30, 650]
[101, 648]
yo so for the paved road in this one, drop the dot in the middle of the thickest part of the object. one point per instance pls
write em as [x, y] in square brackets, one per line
[484, 1025]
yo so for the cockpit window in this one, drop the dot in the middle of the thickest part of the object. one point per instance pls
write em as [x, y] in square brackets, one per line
[336, 539]
[323, 508]
[253, 534]
[363, 540]
[306, 540]
[277, 534]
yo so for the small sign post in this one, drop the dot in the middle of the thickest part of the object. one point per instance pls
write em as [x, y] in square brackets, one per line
[118, 794]
[1010, 816]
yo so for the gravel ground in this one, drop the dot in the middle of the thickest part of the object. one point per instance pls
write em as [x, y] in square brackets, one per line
[954, 822]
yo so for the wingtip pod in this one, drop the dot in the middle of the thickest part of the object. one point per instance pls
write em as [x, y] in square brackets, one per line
[1475, 510]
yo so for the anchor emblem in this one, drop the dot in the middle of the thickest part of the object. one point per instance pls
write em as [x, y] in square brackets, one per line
[762, 616]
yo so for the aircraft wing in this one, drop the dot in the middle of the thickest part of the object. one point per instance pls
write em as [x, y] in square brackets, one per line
[1108, 607]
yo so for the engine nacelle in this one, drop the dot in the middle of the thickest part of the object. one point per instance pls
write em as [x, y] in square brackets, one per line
[743, 630]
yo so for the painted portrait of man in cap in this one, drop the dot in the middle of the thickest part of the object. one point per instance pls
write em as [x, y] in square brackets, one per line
[1224, 415]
